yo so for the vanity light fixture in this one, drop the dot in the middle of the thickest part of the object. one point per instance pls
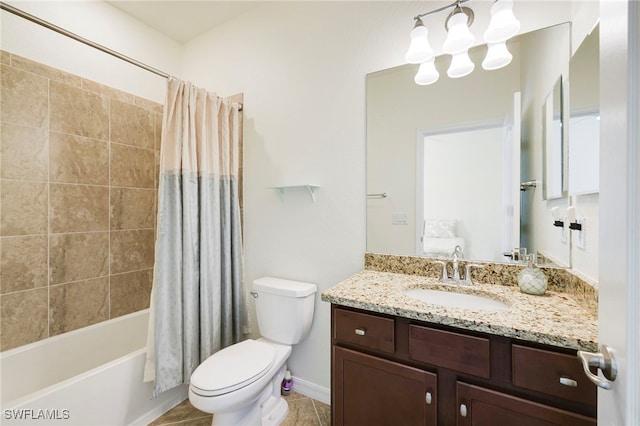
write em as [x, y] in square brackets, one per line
[503, 26]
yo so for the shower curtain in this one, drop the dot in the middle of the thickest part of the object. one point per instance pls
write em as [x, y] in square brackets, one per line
[197, 303]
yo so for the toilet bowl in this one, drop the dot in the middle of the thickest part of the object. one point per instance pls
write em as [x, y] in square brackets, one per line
[240, 384]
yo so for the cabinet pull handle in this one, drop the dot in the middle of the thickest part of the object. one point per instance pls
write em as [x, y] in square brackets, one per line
[568, 382]
[360, 331]
[428, 398]
[463, 410]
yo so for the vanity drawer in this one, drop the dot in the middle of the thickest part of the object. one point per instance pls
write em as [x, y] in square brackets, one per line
[542, 371]
[459, 352]
[367, 331]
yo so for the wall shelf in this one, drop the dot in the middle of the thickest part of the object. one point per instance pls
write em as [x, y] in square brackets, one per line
[310, 188]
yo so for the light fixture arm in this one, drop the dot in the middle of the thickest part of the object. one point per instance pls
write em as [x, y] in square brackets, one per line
[431, 12]
[458, 9]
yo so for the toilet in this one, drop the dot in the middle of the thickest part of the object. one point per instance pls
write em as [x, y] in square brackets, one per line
[240, 384]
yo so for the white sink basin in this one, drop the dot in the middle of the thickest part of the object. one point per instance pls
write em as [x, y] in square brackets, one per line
[457, 300]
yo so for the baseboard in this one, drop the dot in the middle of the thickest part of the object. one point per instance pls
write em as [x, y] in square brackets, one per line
[312, 390]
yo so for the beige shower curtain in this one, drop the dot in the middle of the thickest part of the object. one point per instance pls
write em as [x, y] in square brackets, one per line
[197, 305]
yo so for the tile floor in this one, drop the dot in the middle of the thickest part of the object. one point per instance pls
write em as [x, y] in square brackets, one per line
[303, 411]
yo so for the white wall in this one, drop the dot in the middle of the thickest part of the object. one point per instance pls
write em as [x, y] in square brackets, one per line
[302, 69]
[102, 24]
[584, 261]
[540, 72]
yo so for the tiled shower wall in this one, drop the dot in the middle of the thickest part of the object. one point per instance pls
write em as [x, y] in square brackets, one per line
[78, 179]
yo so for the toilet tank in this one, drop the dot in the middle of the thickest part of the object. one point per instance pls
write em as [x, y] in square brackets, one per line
[284, 309]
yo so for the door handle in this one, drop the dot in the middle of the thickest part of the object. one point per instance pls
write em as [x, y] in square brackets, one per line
[603, 360]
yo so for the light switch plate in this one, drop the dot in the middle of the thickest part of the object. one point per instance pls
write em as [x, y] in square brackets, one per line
[580, 237]
[399, 219]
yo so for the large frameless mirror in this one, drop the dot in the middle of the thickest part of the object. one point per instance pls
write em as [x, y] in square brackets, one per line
[553, 143]
[439, 163]
[584, 117]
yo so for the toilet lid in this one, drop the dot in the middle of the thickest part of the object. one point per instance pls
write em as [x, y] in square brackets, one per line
[233, 368]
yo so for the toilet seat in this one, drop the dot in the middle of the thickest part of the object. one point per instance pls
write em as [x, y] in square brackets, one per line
[232, 368]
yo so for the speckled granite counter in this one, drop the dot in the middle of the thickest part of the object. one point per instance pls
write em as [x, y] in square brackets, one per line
[556, 318]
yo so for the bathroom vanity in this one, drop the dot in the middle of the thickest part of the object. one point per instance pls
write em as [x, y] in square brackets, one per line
[397, 360]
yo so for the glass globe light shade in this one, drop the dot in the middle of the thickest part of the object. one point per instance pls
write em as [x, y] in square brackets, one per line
[427, 73]
[498, 56]
[503, 24]
[459, 37]
[461, 65]
[419, 50]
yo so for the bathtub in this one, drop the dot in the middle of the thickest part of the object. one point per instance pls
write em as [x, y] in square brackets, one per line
[90, 376]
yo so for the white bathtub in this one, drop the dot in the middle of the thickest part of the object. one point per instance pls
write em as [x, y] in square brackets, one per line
[91, 376]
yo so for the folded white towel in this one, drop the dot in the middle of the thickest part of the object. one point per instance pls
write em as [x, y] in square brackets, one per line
[442, 247]
[435, 228]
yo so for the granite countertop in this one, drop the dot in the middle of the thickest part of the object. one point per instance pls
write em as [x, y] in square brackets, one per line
[555, 319]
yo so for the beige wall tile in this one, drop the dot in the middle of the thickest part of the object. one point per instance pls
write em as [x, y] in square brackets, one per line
[78, 208]
[24, 97]
[132, 250]
[158, 132]
[110, 92]
[55, 155]
[77, 305]
[130, 292]
[76, 159]
[132, 125]
[78, 256]
[23, 208]
[23, 263]
[156, 173]
[23, 318]
[5, 57]
[132, 167]
[78, 112]
[24, 152]
[133, 208]
[44, 70]
[148, 105]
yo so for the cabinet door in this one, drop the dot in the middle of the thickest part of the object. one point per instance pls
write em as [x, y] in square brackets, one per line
[478, 406]
[371, 391]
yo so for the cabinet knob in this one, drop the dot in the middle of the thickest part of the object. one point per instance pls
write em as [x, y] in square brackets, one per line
[361, 331]
[568, 382]
[463, 410]
[428, 398]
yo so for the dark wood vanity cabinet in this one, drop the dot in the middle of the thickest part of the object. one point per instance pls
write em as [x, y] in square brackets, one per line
[376, 391]
[395, 371]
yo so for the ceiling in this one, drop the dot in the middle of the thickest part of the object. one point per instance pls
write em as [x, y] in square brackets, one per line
[183, 20]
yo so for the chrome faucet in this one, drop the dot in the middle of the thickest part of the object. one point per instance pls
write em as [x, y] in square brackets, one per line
[457, 254]
[444, 276]
[467, 273]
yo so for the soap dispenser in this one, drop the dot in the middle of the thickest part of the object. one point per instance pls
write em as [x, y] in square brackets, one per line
[531, 279]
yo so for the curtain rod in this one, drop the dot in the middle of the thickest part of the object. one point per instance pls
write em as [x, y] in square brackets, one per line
[76, 37]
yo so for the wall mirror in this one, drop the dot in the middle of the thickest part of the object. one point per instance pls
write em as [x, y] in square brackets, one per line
[448, 143]
[584, 117]
[553, 143]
